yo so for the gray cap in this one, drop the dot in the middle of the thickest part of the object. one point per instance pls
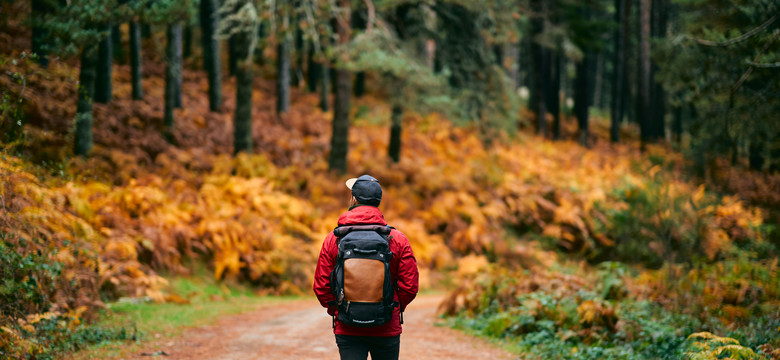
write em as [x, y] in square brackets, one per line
[366, 190]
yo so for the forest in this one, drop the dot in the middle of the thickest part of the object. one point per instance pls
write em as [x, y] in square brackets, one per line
[594, 179]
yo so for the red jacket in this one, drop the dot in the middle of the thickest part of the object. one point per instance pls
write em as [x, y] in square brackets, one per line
[403, 268]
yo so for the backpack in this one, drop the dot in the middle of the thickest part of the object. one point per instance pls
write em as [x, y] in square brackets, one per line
[361, 281]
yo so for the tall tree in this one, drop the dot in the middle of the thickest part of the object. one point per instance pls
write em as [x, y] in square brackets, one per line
[82, 145]
[135, 60]
[40, 34]
[76, 28]
[209, 23]
[657, 93]
[116, 44]
[172, 68]
[283, 76]
[582, 95]
[616, 106]
[343, 82]
[239, 21]
[105, 61]
[643, 85]
[313, 69]
[540, 63]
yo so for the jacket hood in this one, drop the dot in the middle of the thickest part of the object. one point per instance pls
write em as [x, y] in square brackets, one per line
[362, 215]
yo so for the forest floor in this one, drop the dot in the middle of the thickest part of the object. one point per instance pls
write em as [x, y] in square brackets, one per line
[300, 329]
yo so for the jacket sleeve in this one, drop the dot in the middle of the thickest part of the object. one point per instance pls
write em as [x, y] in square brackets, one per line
[325, 265]
[408, 275]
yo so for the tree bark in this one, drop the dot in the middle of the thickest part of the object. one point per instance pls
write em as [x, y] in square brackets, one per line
[658, 95]
[283, 76]
[135, 61]
[643, 90]
[677, 127]
[621, 17]
[39, 34]
[339, 139]
[187, 47]
[538, 54]
[212, 61]
[360, 83]
[116, 40]
[324, 85]
[297, 78]
[242, 123]
[582, 97]
[146, 30]
[171, 68]
[394, 149]
[103, 71]
[232, 56]
[177, 60]
[555, 92]
[313, 70]
[82, 145]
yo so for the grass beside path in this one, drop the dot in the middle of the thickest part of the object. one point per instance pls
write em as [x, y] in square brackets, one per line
[208, 301]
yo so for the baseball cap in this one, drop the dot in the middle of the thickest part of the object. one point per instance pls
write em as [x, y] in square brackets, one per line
[366, 190]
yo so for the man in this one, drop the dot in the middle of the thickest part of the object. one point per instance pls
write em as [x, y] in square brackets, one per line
[383, 342]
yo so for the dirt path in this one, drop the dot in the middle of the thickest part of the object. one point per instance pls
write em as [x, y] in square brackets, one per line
[302, 330]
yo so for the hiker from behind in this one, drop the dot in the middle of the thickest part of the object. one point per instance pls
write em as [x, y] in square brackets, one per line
[366, 276]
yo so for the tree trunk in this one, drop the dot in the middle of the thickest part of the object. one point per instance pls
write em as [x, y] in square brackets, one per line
[232, 55]
[643, 90]
[598, 75]
[621, 17]
[313, 70]
[242, 123]
[538, 55]
[394, 149]
[555, 92]
[658, 95]
[146, 30]
[677, 127]
[582, 97]
[103, 71]
[360, 83]
[283, 76]
[116, 40]
[171, 68]
[340, 135]
[135, 60]
[187, 49]
[39, 34]
[212, 61]
[177, 60]
[324, 85]
[82, 145]
[298, 72]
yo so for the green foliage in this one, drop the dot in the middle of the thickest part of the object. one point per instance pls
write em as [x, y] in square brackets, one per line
[11, 114]
[25, 281]
[711, 64]
[76, 24]
[706, 346]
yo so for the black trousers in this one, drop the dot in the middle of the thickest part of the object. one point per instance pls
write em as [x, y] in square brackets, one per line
[357, 347]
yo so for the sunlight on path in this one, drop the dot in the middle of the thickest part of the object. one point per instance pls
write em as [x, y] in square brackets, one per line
[302, 330]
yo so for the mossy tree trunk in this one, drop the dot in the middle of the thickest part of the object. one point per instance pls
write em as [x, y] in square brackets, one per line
[283, 76]
[39, 34]
[582, 96]
[313, 70]
[171, 69]
[135, 61]
[103, 71]
[394, 149]
[82, 144]
[212, 61]
[619, 73]
[339, 139]
[242, 121]
[116, 42]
